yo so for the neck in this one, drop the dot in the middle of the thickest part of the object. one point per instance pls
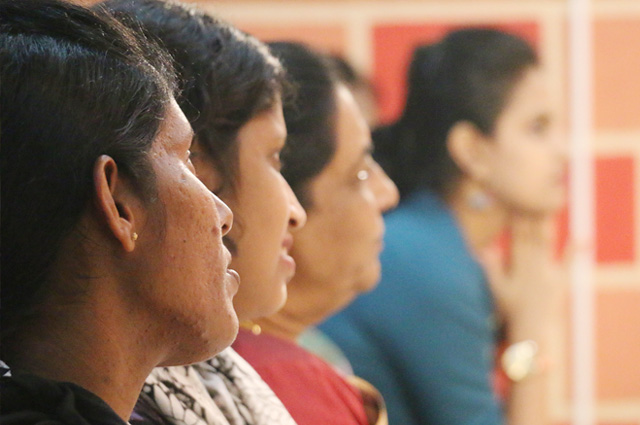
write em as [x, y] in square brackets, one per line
[480, 226]
[282, 325]
[88, 347]
[307, 304]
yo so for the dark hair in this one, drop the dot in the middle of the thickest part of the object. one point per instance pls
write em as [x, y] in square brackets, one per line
[310, 116]
[468, 76]
[75, 85]
[349, 75]
[226, 76]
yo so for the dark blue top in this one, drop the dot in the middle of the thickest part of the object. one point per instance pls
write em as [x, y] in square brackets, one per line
[425, 337]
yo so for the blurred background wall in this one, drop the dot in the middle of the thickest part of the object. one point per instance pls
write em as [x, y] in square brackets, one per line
[377, 37]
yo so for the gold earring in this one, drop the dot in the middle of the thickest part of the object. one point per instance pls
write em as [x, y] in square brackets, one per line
[134, 236]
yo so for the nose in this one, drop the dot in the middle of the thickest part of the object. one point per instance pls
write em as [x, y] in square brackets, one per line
[385, 190]
[224, 214]
[297, 214]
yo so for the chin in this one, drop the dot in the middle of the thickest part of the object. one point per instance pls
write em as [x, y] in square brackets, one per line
[270, 305]
[191, 352]
[370, 281]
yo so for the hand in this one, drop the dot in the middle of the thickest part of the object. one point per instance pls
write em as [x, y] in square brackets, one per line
[529, 290]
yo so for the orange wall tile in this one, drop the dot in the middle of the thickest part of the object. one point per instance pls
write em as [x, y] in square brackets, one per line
[618, 344]
[393, 46]
[615, 229]
[616, 73]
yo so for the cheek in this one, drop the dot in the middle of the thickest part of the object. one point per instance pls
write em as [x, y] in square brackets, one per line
[353, 231]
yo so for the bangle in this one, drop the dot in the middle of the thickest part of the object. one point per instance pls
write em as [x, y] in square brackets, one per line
[520, 360]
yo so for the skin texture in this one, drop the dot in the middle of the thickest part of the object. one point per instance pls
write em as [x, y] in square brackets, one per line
[118, 306]
[187, 284]
[337, 251]
[267, 215]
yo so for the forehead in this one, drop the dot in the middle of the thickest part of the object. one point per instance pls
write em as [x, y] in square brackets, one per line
[353, 138]
[264, 128]
[175, 132]
[529, 94]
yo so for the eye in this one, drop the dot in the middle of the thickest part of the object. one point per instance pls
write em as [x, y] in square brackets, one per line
[539, 126]
[189, 163]
[276, 161]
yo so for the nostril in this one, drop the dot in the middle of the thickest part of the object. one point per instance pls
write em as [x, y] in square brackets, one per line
[293, 222]
[225, 228]
[298, 218]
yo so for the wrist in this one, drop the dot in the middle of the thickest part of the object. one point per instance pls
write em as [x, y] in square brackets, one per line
[522, 360]
[537, 329]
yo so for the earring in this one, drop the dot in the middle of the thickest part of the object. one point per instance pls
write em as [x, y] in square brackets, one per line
[479, 200]
[134, 236]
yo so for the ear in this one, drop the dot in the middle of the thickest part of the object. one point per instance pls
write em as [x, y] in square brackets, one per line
[469, 149]
[114, 200]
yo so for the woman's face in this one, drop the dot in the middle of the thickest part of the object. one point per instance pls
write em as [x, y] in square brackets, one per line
[337, 251]
[187, 287]
[527, 156]
[267, 215]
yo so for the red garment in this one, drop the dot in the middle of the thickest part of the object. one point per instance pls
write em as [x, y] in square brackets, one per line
[312, 391]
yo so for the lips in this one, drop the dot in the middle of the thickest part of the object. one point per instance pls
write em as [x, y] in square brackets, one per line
[287, 243]
[236, 278]
[289, 262]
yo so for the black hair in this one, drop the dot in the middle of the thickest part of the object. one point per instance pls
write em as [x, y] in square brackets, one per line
[226, 75]
[310, 116]
[467, 76]
[349, 75]
[75, 85]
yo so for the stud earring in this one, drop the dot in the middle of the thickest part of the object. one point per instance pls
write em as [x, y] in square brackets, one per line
[134, 236]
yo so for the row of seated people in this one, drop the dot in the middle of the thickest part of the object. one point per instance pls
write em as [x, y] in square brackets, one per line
[183, 203]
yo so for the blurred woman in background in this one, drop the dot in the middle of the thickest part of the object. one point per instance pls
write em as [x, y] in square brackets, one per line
[475, 153]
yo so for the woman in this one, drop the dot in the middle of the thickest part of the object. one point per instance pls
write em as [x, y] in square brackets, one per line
[328, 163]
[231, 93]
[112, 261]
[475, 153]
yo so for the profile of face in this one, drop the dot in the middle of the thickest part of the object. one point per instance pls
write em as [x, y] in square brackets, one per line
[186, 288]
[527, 157]
[267, 215]
[338, 250]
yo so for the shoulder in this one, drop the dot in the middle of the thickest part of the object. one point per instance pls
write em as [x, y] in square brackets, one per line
[312, 390]
[28, 399]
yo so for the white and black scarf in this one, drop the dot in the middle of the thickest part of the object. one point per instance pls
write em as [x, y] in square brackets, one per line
[224, 390]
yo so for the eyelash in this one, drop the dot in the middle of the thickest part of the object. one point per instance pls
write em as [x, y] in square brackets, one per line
[277, 161]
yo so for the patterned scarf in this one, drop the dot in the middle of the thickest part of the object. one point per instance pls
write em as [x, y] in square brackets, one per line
[224, 390]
